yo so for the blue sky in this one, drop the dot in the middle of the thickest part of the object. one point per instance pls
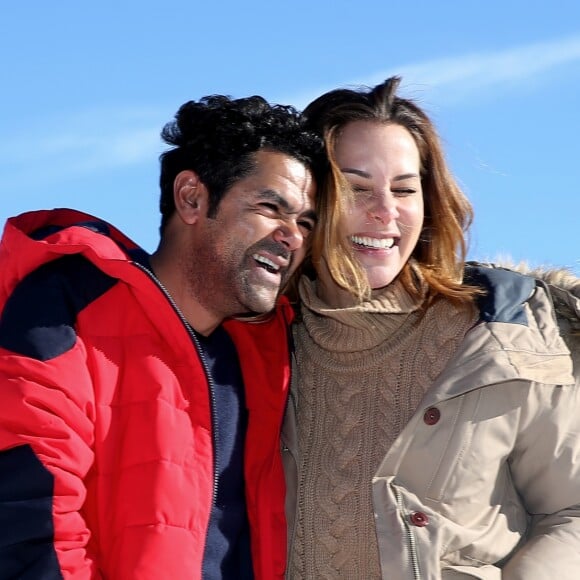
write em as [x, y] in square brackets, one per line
[86, 88]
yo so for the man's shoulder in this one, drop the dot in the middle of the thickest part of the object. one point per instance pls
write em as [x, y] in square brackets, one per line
[39, 316]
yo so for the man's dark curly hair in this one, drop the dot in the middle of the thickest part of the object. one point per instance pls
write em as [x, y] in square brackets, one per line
[218, 136]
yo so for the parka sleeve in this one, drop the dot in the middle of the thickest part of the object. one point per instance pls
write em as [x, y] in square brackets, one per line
[46, 437]
[545, 467]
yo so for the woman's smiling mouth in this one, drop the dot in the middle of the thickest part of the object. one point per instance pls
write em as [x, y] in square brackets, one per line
[373, 243]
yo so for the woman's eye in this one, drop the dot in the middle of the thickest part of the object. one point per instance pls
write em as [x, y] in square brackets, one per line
[403, 192]
[362, 192]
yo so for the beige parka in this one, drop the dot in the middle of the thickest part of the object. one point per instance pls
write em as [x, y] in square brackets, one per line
[484, 480]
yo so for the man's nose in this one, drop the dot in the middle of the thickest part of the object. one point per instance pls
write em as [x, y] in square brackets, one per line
[290, 235]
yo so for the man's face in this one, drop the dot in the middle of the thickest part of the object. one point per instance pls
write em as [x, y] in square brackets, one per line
[242, 258]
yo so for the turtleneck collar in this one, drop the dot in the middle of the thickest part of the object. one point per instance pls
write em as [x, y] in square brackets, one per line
[361, 327]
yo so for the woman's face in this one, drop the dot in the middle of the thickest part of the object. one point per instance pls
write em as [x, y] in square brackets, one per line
[383, 223]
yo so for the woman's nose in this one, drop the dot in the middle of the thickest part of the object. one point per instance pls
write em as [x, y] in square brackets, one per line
[383, 208]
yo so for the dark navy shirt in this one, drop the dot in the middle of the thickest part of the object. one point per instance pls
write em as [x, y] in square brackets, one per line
[227, 552]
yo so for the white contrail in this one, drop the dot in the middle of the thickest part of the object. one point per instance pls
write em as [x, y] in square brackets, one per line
[464, 75]
[130, 136]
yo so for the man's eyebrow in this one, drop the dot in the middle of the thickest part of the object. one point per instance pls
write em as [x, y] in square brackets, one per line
[273, 196]
[282, 202]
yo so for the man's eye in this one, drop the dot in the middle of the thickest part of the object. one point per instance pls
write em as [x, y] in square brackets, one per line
[269, 206]
[306, 225]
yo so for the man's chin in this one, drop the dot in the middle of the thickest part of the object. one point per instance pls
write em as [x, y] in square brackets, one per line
[253, 316]
[262, 302]
[256, 299]
[257, 312]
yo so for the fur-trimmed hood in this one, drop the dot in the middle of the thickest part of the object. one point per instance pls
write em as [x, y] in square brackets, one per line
[564, 287]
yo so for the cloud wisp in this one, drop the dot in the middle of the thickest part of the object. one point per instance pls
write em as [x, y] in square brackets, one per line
[467, 75]
[97, 140]
[80, 144]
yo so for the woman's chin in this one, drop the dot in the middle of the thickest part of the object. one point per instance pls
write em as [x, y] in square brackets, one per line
[378, 281]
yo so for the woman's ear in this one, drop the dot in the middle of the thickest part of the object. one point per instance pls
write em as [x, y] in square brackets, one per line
[190, 196]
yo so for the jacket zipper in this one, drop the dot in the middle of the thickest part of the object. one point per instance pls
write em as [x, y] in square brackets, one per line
[210, 383]
[414, 560]
[292, 400]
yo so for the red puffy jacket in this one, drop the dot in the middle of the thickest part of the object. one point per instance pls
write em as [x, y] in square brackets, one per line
[106, 460]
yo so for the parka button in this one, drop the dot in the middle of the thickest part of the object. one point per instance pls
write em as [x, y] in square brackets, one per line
[419, 519]
[432, 415]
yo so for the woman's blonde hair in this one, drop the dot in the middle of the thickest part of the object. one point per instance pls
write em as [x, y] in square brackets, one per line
[441, 249]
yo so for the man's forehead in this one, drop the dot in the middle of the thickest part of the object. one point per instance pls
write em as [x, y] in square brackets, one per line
[271, 158]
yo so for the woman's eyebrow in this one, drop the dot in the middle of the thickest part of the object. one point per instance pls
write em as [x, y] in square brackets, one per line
[358, 172]
[406, 176]
[368, 175]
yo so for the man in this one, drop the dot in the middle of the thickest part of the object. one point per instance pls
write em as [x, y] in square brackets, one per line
[133, 444]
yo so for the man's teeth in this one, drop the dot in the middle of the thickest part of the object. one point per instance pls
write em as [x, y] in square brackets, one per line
[382, 243]
[266, 262]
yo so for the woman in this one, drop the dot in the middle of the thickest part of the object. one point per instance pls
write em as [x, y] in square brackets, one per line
[433, 430]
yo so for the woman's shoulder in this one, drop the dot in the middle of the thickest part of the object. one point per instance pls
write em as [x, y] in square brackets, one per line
[554, 296]
[564, 289]
[505, 292]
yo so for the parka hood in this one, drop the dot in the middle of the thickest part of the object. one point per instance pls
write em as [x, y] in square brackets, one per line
[564, 287]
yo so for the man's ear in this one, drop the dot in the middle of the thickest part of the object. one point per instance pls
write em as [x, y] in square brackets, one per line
[190, 196]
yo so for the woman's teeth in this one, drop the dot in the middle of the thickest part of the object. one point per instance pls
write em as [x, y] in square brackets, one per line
[380, 243]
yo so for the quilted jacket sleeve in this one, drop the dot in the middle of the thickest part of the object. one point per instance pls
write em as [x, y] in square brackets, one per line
[46, 435]
[552, 438]
[546, 471]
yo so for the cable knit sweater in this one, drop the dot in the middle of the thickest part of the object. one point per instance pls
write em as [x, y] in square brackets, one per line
[361, 372]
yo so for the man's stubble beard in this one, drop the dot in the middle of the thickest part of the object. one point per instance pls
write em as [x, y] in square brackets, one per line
[226, 289]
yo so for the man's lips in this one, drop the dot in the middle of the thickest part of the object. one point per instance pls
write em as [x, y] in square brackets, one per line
[271, 263]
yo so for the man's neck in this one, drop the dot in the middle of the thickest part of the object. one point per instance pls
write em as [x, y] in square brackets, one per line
[173, 282]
